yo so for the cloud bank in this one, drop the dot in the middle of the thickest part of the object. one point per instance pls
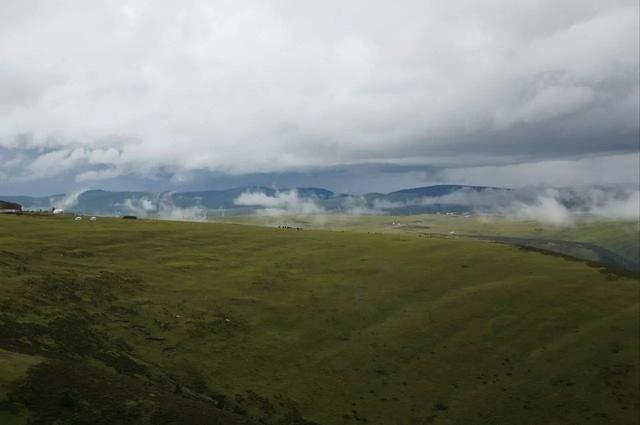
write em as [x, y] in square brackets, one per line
[101, 91]
[162, 208]
[547, 205]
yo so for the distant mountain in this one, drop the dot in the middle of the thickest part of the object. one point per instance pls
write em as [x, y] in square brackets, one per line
[216, 199]
[421, 200]
[315, 192]
[406, 201]
[439, 190]
[90, 201]
[31, 202]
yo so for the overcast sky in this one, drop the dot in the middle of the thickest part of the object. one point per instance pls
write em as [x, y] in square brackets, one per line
[355, 95]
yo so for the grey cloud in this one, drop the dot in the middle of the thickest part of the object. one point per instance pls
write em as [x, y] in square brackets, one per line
[591, 170]
[550, 102]
[104, 90]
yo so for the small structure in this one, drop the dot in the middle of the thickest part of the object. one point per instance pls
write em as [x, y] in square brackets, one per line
[93, 219]
[78, 218]
[57, 211]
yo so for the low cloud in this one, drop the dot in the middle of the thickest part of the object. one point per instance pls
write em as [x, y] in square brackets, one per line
[163, 208]
[556, 206]
[68, 201]
[623, 208]
[546, 209]
[358, 205]
[281, 203]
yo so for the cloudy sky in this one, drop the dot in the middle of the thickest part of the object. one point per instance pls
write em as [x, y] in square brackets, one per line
[354, 96]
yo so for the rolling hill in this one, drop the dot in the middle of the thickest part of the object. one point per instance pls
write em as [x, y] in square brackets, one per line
[149, 321]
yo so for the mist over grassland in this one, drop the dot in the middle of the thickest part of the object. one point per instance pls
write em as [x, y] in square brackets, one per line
[590, 223]
[547, 205]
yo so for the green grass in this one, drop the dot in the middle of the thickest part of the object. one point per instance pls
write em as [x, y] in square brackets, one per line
[14, 367]
[619, 237]
[341, 327]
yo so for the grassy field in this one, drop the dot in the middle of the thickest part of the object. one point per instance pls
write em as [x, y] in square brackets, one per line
[123, 321]
[622, 238]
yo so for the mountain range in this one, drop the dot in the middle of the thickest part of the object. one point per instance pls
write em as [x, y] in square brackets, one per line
[406, 201]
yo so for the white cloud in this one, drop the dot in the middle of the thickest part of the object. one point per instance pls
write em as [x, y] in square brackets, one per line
[54, 163]
[68, 201]
[94, 175]
[264, 86]
[545, 208]
[556, 206]
[162, 207]
[281, 203]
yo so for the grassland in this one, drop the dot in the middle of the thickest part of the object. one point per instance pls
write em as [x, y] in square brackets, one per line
[584, 238]
[119, 321]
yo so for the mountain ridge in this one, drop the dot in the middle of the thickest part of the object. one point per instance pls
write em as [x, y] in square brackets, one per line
[99, 201]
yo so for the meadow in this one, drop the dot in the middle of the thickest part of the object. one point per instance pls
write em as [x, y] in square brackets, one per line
[145, 321]
[616, 242]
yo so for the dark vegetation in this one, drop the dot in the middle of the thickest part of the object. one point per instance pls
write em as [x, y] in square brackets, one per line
[90, 376]
[614, 263]
[5, 205]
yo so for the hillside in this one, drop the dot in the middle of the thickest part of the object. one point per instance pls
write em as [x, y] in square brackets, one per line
[615, 243]
[175, 322]
[5, 205]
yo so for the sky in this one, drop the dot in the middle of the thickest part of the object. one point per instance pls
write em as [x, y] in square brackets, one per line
[353, 96]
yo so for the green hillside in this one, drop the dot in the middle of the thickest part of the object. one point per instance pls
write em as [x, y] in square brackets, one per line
[141, 321]
[586, 238]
